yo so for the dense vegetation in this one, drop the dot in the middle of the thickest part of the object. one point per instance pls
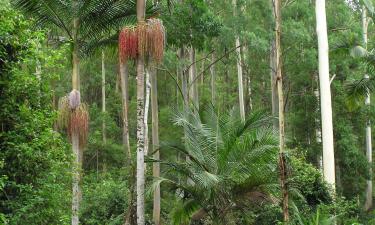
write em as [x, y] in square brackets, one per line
[216, 167]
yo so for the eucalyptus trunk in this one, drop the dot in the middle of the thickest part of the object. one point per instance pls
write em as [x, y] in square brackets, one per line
[368, 202]
[325, 95]
[239, 69]
[140, 124]
[104, 133]
[274, 95]
[193, 87]
[155, 143]
[279, 80]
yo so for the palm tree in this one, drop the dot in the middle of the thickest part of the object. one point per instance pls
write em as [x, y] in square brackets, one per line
[232, 165]
[81, 22]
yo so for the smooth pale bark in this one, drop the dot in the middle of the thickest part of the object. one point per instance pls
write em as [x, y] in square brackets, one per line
[274, 97]
[325, 94]
[249, 104]
[155, 143]
[124, 83]
[318, 131]
[368, 202]
[279, 80]
[140, 174]
[193, 87]
[213, 80]
[147, 106]
[104, 135]
[239, 69]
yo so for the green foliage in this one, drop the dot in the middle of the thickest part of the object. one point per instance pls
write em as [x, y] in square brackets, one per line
[231, 165]
[105, 198]
[35, 161]
[193, 16]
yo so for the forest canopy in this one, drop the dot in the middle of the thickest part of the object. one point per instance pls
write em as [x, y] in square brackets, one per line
[201, 112]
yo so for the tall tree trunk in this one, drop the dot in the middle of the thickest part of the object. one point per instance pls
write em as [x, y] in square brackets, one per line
[325, 94]
[140, 124]
[77, 152]
[239, 70]
[368, 203]
[279, 80]
[275, 97]
[104, 135]
[193, 87]
[155, 143]
[213, 80]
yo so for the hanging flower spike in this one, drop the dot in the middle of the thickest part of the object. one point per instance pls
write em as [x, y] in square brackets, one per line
[74, 99]
[128, 44]
[63, 115]
[143, 45]
[156, 39]
[78, 123]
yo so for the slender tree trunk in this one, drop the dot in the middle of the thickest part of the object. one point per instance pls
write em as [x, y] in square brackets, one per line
[325, 95]
[140, 124]
[77, 152]
[104, 135]
[193, 87]
[239, 69]
[368, 202]
[147, 106]
[124, 82]
[155, 143]
[275, 97]
[213, 80]
[279, 80]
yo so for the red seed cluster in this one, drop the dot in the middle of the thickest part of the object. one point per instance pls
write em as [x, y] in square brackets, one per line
[128, 44]
[79, 123]
[147, 40]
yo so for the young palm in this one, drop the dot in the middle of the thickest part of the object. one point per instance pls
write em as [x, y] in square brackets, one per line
[232, 165]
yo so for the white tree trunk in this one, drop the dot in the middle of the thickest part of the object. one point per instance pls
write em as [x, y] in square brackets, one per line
[104, 135]
[193, 87]
[325, 95]
[368, 202]
[140, 124]
[140, 143]
[147, 106]
[239, 70]
[155, 143]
